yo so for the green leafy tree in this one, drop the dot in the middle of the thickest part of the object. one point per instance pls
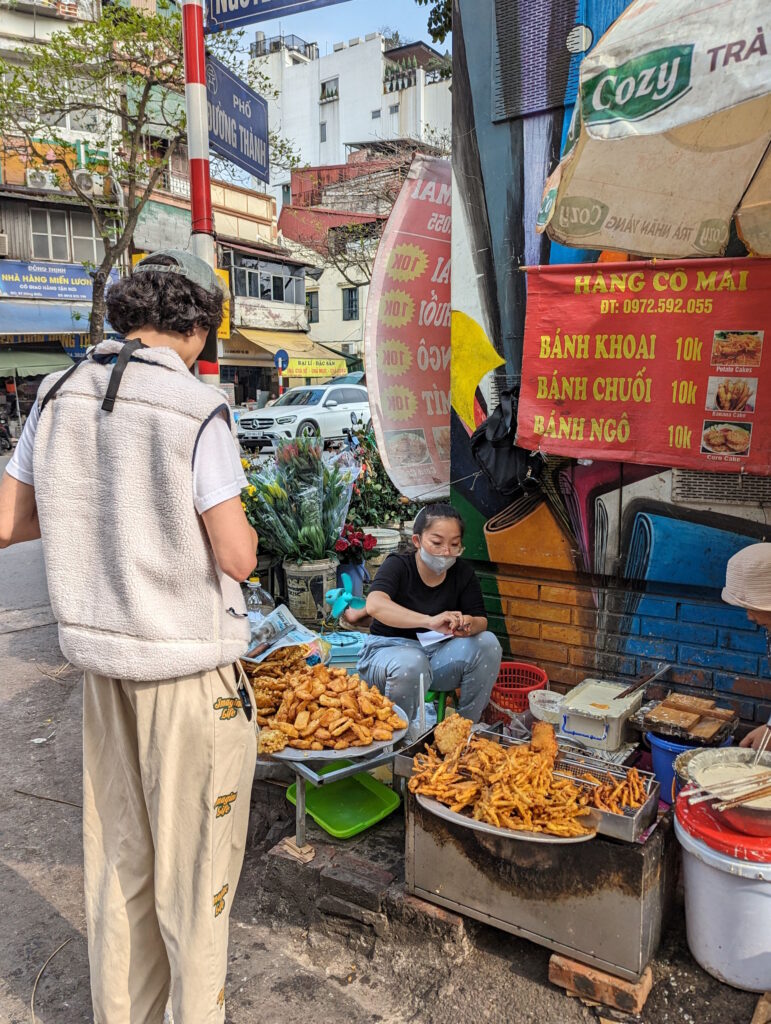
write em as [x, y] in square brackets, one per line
[439, 18]
[391, 36]
[118, 81]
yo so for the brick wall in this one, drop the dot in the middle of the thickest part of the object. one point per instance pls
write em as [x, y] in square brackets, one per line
[574, 631]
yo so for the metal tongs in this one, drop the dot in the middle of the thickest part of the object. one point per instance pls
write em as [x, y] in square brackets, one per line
[642, 682]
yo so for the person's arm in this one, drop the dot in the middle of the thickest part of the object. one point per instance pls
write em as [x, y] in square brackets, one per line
[471, 625]
[472, 605]
[233, 540]
[754, 738]
[18, 512]
[381, 607]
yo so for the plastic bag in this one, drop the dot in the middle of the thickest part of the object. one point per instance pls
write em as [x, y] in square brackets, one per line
[298, 501]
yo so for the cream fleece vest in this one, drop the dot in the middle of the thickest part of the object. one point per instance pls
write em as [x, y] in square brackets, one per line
[131, 575]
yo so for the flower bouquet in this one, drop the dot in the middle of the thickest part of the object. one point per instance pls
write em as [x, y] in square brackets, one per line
[353, 545]
[298, 502]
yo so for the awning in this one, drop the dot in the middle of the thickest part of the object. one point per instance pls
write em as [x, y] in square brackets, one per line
[44, 317]
[20, 363]
[306, 359]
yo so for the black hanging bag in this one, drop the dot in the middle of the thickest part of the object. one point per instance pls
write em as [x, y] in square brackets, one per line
[507, 467]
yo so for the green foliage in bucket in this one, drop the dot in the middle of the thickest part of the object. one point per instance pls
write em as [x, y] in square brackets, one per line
[298, 501]
[375, 499]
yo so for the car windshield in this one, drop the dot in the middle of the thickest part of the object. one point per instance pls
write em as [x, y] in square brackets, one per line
[310, 397]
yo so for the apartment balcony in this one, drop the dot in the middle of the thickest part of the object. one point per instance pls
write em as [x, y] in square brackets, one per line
[261, 47]
[175, 184]
[66, 10]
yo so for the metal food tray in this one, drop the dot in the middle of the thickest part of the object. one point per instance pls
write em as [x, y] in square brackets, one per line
[627, 827]
[443, 811]
[292, 754]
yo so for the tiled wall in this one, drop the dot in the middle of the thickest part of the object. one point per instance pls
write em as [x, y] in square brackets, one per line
[576, 631]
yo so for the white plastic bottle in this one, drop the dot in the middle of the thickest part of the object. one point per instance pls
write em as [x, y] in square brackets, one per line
[259, 604]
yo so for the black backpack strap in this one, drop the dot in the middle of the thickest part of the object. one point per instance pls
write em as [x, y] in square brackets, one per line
[52, 391]
[129, 347]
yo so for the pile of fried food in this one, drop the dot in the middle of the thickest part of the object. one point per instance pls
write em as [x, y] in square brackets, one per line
[733, 395]
[726, 438]
[271, 678]
[742, 348]
[510, 787]
[326, 709]
[615, 794]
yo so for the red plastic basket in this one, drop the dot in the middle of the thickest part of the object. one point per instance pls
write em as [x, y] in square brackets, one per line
[515, 681]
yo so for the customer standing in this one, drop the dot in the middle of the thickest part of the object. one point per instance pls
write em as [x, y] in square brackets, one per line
[129, 472]
[748, 585]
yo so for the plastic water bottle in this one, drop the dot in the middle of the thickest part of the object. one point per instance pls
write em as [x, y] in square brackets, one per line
[259, 604]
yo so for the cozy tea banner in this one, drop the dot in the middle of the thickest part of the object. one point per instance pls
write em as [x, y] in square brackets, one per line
[659, 363]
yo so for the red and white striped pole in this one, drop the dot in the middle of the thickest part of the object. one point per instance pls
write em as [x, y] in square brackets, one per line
[198, 145]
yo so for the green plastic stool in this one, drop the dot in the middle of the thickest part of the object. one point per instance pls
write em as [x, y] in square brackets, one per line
[438, 697]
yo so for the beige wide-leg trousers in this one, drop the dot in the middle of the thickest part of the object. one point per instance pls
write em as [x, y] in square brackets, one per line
[167, 774]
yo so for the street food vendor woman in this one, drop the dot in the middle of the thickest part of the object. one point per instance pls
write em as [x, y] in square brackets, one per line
[429, 588]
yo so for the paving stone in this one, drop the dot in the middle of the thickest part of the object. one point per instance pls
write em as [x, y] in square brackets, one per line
[418, 914]
[344, 908]
[364, 884]
[591, 983]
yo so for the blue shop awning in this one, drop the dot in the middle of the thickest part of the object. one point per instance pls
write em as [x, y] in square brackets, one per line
[44, 317]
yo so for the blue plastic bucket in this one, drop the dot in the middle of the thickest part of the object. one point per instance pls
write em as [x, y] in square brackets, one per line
[664, 752]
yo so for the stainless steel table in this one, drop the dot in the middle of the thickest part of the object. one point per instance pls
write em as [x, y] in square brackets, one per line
[305, 773]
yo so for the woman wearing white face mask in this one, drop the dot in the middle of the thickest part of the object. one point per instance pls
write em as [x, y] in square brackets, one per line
[430, 588]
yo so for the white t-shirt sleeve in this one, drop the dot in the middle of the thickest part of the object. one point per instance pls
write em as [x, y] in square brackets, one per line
[20, 464]
[217, 471]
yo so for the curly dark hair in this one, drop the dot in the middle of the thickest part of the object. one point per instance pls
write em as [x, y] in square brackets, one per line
[167, 302]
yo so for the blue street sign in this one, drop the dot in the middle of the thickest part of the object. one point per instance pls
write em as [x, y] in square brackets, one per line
[238, 120]
[281, 360]
[226, 14]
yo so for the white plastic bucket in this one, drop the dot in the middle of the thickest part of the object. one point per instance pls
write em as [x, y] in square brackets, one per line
[387, 541]
[727, 914]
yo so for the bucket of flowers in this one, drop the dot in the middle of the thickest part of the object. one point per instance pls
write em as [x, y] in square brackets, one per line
[352, 547]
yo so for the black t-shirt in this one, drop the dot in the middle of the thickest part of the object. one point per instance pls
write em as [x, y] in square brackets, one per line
[398, 577]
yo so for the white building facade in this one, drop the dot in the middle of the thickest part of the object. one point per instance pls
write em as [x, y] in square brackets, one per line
[357, 94]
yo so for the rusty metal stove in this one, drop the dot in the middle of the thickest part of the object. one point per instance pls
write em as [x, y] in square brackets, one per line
[602, 902]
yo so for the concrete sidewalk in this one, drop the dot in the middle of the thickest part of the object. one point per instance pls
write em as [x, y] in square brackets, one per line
[340, 972]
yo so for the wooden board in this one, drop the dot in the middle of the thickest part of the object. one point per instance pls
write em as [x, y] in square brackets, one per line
[706, 728]
[686, 702]
[672, 716]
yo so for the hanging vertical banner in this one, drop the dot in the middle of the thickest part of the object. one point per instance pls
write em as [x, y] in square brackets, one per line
[407, 334]
[658, 363]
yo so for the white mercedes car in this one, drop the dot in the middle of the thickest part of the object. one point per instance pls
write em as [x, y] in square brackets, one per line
[312, 411]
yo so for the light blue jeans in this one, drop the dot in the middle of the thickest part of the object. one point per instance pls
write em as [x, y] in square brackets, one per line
[394, 666]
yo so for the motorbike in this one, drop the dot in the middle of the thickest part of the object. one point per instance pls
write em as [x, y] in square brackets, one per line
[5, 434]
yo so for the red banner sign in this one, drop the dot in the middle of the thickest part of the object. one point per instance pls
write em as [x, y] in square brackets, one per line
[654, 363]
[407, 334]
